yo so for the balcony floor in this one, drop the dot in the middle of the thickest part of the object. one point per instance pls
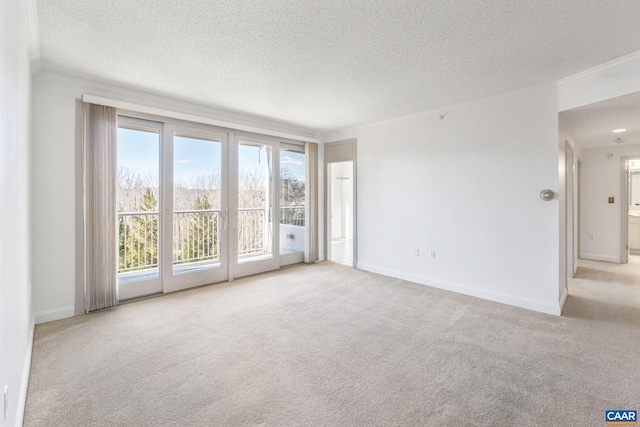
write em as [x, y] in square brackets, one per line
[342, 251]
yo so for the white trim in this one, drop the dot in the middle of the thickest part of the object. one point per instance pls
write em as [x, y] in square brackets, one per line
[563, 299]
[54, 314]
[596, 257]
[31, 27]
[599, 69]
[337, 134]
[606, 81]
[191, 117]
[26, 370]
[501, 297]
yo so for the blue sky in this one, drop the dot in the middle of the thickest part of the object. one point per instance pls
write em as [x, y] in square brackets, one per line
[192, 157]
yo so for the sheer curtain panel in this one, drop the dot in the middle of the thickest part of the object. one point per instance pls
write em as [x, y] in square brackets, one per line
[311, 208]
[99, 148]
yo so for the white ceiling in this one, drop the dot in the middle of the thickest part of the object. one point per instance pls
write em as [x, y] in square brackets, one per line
[592, 125]
[331, 64]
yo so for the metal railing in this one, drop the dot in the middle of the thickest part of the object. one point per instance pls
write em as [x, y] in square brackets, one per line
[292, 215]
[196, 235]
[254, 234]
[137, 241]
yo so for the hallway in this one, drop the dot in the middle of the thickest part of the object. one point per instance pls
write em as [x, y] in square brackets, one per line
[605, 291]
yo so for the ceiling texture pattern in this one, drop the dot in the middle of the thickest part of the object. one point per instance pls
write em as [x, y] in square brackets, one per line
[331, 64]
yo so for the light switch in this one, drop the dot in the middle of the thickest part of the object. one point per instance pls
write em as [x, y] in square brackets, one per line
[610, 199]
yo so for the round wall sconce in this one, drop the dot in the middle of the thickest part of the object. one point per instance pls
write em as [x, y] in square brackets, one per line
[547, 195]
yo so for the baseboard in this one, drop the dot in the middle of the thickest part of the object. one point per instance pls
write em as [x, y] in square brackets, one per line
[596, 257]
[54, 314]
[26, 371]
[517, 301]
[563, 299]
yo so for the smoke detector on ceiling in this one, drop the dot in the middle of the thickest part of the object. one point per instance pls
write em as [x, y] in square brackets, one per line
[618, 140]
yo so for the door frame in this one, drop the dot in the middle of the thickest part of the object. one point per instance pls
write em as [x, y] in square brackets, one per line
[570, 189]
[624, 207]
[336, 152]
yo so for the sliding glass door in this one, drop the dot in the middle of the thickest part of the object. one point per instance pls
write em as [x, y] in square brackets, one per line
[292, 203]
[254, 209]
[139, 196]
[196, 208]
[199, 205]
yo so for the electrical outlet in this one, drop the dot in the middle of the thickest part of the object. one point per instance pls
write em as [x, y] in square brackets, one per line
[432, 254]
[416, 252]
[6, 401]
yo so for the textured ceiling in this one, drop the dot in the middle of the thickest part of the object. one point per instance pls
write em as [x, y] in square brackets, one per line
[592, 125]
[330, 64]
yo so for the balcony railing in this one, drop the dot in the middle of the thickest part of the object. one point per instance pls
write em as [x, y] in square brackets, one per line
[292, 215]
[252, 238]
[196, 236]
[138, 241]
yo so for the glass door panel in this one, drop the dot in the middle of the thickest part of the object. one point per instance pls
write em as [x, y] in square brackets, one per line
[198, 208]
[138, 198]
[255, 202]
[292, 204]
[255, 212]
[197, 203]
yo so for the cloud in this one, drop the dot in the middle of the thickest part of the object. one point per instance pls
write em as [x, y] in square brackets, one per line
[183, 161]
[288, 160]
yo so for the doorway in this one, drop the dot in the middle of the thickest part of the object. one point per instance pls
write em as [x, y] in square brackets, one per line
[341, 213]
[200, 205]
[631, 210]
[341, 208]
[570, 175]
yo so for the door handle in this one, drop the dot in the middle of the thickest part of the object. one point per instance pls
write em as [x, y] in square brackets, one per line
[225, 220]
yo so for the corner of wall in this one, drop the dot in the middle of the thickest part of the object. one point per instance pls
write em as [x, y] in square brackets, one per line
[26, 371]
[55, 314]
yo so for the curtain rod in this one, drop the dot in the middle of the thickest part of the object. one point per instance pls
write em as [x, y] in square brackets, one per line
[191, 117]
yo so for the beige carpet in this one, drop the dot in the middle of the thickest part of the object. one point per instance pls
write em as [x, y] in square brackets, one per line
[329, 345]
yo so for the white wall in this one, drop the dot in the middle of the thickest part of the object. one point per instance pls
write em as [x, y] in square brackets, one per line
[56, 137]
[600, 178]
[16, 327]
[466, 186]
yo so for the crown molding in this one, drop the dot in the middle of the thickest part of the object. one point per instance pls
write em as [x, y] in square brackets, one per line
[437, 111]
[602, 69]
[31, 23]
